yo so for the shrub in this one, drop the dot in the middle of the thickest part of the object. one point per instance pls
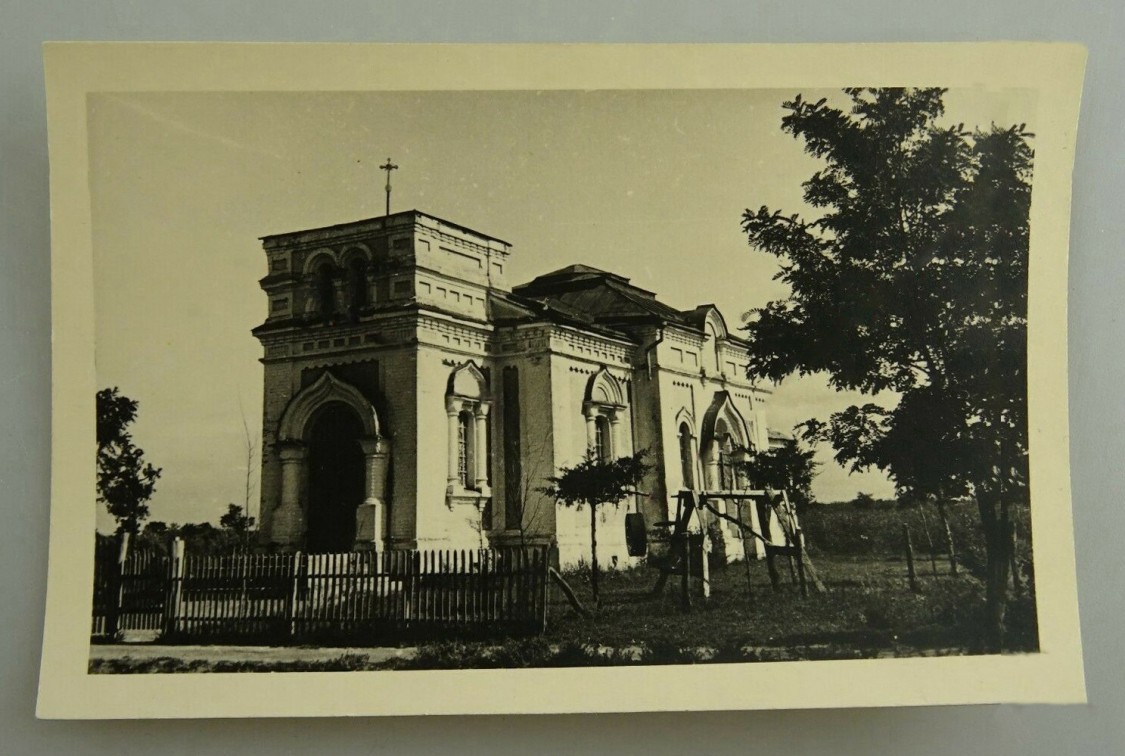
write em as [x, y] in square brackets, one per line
[863, 501]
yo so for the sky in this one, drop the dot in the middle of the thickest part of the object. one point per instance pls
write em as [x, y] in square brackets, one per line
[649, 184]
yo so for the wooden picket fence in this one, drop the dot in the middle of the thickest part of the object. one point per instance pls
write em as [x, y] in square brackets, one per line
[130, 586]
[358, 595]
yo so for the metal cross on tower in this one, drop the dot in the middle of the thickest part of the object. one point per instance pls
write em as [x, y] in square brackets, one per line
[388, 167]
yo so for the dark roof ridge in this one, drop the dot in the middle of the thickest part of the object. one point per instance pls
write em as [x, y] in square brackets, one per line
[580, 273]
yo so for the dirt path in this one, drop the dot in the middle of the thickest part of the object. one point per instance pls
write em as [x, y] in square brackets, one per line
[271, 654]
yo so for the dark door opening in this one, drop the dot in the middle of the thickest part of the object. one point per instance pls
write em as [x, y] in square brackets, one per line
[336, 479]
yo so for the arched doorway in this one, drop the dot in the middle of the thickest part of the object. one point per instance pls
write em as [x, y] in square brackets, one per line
[330, 449]
[335, 478]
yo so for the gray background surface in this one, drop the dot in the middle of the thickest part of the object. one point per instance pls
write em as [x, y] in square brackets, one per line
[1096, 368]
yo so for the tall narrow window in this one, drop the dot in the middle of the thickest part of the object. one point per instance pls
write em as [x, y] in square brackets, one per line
[603, 408]
[464, 449]
[325, 291]
[603, 445]
[687, 464]
[726, 464]
[711, 346]
[357, 285]
[467, 409]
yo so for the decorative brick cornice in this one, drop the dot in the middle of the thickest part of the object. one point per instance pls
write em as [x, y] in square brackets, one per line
[681, 335]
[455, 241]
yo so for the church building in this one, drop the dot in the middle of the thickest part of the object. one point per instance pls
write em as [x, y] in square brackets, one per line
[415, 399]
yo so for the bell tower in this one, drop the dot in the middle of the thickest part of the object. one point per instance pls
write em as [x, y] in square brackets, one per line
[359, 307]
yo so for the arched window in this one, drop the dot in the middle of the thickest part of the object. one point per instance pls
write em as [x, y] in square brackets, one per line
[326, 290]
[604, 407]
[357, 284]
[467, 406]
[723, 441]
[603, 439]
[687, 463]
[711, 347]
[727, 479]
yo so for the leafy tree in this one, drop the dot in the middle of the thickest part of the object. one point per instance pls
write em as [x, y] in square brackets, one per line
[204, 538]
[592, 483]
[913, 281]
[156, 536]
[863, 500]
[157, 528]
[789, 468]
[125, 480]
[201, 538]
[238, 524]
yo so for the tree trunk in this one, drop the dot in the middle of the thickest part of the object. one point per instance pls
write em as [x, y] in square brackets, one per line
[594, 555]
[948, 535]
[1017, 584]
[929, 538]
[997, 540]
[909, 548]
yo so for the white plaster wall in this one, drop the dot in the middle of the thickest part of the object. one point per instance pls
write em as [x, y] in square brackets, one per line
[537, 445]
[441, 523]
[684, 386]
[569, 378]
[399, 374]
[450, 295]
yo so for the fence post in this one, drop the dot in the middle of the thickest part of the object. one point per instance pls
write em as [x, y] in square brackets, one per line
[174, 596]
[705, 567]
[746, 555]
[413, 570]
[909, 558]
[117, 583]
[799, 537]
[294, 588]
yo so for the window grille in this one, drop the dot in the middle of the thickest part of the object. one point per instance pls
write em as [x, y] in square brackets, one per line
[602, 445]
[464, 433]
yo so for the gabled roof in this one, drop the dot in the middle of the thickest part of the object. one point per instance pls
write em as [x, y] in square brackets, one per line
[506, 309]
[603, 297]
[608, 299]
[574, 273]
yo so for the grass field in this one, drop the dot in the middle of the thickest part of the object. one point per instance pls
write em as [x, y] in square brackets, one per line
[868, 611]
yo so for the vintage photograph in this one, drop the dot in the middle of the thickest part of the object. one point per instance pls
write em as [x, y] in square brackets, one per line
[571, 378]
[551, 370]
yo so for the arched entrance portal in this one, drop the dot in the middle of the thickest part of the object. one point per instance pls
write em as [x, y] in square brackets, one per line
[334, 462]
[336, 478]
